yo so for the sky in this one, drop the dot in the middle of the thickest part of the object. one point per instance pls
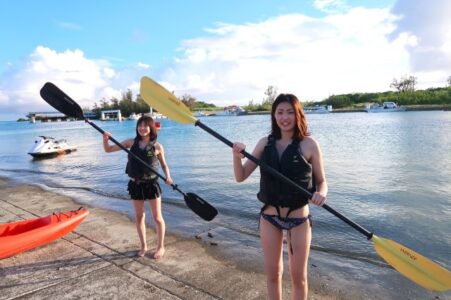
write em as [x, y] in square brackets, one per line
[221, 52]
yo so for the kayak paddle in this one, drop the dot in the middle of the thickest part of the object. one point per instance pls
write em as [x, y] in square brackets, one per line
[414, 266]
[66, 105]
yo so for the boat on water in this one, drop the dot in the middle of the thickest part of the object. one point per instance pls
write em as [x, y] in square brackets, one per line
[318, 109]
[155, 115]
[47, 146]
[385, 107]
[232, 110]
[133, 116]
[17, 237]
[199, 114]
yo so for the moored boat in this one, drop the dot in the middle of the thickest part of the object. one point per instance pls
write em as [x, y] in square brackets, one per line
[385, 107]
[133, 116]
[17, 237]
[199, 114]
[47, 146]
[233, 110]
[317, 109]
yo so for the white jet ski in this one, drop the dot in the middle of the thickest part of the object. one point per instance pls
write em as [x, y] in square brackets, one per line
[47, 146]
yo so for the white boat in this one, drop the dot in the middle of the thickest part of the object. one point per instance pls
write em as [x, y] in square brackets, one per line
[47, 147]
[385, 107]
[133, 116]
[232, 110]
[199, 114]
[155, 115]
[317, 109]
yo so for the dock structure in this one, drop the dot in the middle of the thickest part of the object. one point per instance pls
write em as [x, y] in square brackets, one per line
[111, 115]
[90, 115]
[52, 116]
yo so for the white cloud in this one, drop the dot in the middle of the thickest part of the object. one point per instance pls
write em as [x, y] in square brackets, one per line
[311, 57]
[109, 72]
[350, 50]
[355, 50]
[143, 66]
[83, 79]
[429, 23]
[331, 6]
[3, 98]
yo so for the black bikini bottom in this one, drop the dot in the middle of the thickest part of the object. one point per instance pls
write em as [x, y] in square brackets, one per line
[286, 223]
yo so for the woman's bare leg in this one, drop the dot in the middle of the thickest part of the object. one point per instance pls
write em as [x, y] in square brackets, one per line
[271, 240]
[299, 238]
[140, 217]
[160, 226]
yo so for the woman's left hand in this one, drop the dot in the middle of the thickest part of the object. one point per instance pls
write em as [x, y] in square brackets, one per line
[318, 199]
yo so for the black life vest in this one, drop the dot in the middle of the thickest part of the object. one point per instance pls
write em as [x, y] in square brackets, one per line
[135, 169]
[293, 165]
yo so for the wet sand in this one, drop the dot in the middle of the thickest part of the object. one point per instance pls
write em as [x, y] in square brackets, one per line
[98, 260]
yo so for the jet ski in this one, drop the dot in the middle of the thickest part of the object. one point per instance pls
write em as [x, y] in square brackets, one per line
[47, 146]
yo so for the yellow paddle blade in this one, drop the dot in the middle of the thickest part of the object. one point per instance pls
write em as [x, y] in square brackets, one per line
[414, 266]
[165, 102]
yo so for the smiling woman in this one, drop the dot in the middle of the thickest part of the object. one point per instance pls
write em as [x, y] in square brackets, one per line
[290, 149]
[63, 103]
[421, 270]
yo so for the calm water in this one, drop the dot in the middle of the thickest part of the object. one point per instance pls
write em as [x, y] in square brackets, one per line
[391, 173]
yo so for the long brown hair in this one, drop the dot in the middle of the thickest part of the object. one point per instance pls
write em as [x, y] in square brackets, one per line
[300, 128]
[149, 122]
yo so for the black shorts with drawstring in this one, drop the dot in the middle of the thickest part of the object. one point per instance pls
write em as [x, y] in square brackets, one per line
[143, 190]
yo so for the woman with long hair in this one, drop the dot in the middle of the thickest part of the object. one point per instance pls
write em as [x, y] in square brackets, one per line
[291, 150]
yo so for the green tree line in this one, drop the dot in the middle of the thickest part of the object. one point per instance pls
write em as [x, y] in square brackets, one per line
[195, 105]
[405, 93]
[266, 104]
[431, 96]
[126, 104]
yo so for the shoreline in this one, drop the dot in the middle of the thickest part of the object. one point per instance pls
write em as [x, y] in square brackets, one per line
[432, 107]
[213, 262]
[421, 107]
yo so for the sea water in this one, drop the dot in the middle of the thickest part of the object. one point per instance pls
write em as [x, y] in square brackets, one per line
[389, 172]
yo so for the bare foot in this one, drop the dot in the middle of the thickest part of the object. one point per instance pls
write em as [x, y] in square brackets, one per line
[142, 252]
[159, 253]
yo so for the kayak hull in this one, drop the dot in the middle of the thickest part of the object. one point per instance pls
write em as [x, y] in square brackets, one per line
[17, 237]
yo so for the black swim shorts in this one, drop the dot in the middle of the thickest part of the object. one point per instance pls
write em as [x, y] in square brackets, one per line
[144, 190]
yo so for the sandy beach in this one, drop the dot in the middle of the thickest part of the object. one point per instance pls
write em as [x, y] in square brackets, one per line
[98, 261]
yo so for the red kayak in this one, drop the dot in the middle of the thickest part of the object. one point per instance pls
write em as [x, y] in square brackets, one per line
[24, 235]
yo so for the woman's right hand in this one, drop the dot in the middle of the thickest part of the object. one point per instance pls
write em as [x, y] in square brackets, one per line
[237, 150]
[106, 136]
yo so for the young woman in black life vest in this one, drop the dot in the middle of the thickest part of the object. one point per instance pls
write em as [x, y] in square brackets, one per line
[143, 183]
[292, 151]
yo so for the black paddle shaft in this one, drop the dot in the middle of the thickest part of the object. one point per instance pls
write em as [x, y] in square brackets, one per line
[65, 104]
[201, 207]
[281, 177]
[175, 187]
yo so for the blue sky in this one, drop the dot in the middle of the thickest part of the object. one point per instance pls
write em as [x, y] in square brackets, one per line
[225, 52]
